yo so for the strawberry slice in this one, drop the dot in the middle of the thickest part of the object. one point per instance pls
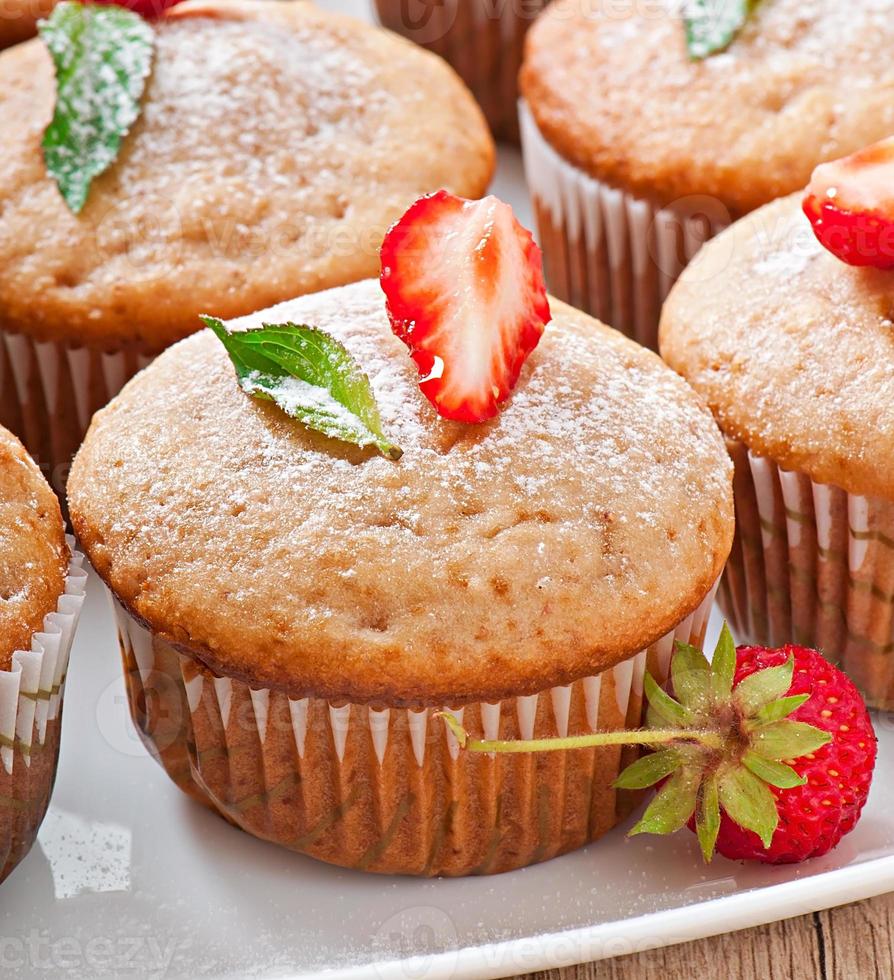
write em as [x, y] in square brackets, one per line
[149, 9]
[850, 203]
[464, 285]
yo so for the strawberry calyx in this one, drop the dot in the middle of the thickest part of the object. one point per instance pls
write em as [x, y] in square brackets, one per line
[759, 741]
[718, 746]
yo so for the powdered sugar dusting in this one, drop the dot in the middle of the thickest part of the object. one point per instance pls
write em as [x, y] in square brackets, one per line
[276, 145]
[102, 57]
[597, 501]
[294, 394]
[793, 349]
[802, 82]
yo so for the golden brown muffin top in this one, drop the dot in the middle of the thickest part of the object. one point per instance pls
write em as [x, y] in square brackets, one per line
[33, 552]
[793, 349]
[277, 144]
[492, 560]
[613, 90]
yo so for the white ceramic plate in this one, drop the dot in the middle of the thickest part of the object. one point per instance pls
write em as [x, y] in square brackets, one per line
[130, 879]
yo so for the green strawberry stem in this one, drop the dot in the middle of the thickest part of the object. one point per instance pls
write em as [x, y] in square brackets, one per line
[708, 739]
[718, 745]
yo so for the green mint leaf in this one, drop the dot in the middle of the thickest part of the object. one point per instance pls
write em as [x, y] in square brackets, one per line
[788, 740]
[671, 806]
[102, 56]
[707, 820]
[691, 677]
[749, 802]
[311, 376]
[723, 663]
[764, 686]
[711, 25]
[770, 771]
[777, 710]
[649, 769]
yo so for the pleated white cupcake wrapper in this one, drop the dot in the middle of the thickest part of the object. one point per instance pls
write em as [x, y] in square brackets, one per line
[627, 676]
[31, 690]
[826, 573]
[644, 247]
[57, 388]
[53, 359]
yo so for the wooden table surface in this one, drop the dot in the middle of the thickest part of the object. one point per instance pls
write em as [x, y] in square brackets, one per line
[855, 942]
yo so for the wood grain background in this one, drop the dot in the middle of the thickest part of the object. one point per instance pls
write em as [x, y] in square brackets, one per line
[849, 943]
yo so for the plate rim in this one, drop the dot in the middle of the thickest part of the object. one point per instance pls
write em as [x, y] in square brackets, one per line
[756, 906]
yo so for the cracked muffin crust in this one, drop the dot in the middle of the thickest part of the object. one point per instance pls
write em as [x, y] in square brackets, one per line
[585, 522]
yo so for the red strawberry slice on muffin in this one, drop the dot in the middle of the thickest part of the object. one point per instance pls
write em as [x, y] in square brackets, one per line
[465, 291]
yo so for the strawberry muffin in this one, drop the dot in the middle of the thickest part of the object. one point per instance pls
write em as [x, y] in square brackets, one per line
[788, 335]
[41, 592]
[647, 128]
[272, 147]
[483, 41]
[317, 543]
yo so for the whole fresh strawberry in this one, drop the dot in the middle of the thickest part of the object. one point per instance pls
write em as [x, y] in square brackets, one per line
[850, 204]
[815, 815]
[787, 769]
[766, 754]
[465, 292]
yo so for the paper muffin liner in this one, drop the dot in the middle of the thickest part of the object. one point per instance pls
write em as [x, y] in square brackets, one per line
[813, 565]
[481, 40]
[611, 254]
[388, 789]
[31, 693]
[49, 392]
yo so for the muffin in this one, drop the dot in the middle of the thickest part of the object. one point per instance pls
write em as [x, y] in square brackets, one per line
[293, 611]
[18, 19]
[277, 143]
[483, 41]
[794, 351]
[636, 153]
[41, 592]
